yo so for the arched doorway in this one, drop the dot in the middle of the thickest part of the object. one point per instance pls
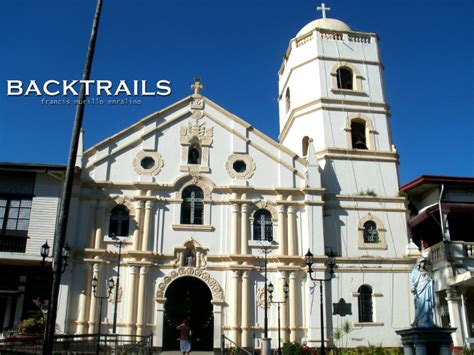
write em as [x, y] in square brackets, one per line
[190, 298]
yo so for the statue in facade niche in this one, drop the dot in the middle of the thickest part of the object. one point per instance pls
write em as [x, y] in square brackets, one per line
[422, 287]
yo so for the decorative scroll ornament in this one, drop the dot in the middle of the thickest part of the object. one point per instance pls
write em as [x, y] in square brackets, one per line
[261, 298]
[111, 298]
[216, 290]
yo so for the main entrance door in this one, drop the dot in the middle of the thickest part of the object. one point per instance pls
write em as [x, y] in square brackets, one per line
[188, 298]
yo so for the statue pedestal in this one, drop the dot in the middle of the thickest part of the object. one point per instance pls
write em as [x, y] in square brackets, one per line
[426, 341]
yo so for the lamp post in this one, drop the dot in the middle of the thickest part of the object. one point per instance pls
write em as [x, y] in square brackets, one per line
[117, 284]
[63, 213]
[285, 290]
[66, 253]
[265, 341]
[331, 264]
[111, 285]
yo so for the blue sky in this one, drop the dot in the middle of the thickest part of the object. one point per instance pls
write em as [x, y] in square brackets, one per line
[236, 47]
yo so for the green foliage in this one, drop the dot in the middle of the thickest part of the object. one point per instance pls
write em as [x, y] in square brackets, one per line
[234, 351]
[368, 192]
[33, 325]
[402, 194]
[291, 349]
[370, 350]
[467, 351]
[343, 332]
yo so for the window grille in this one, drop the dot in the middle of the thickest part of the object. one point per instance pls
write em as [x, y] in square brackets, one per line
[365, 304]
[192, 207]
[263, 225]
[119, 221]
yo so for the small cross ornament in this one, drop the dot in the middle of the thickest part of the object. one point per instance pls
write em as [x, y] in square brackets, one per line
[197, 87]
[323, 9]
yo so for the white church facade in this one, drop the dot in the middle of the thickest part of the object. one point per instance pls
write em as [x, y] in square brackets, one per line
[195, 193]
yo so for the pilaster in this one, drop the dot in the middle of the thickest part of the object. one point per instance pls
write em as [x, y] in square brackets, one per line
[235, 229]
[282, 236]
[93, 301]
[142, 304]
[235, 306]
[99, 222]
[138, 221]
[131, 300]
[292, 301]
[245, 310]
[83, 298]
[244, 229]
[292, 247]
[284, 307]
[146, 224]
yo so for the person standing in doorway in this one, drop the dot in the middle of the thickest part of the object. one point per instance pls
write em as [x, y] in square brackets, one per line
[185, 337]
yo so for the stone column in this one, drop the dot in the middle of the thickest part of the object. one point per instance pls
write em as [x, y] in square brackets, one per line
[82, 304]
[284, 307]
[99, 222]
[455, 314]
[282, 236]
[138, 221]
[235, 228]
[244, 229]
[141, 318]
[245, 310]
[292, 246]
[146, 225]
[292, 301]
[235, 307]
[93, 301]
[131, 300]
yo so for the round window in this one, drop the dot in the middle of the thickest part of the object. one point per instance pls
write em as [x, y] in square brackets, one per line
[239, 166]
[147, 163]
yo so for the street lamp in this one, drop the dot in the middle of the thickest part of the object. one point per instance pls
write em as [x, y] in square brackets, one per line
[331, 264]
[66, 253]
[111, 285]
[265, 341]
[117, 284]
[285, 290]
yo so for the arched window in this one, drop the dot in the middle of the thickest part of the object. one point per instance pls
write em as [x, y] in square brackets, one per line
[194, 154]
[192, 206]
[344, 78]
[371, 234]
[305, 143]
[119, 221]
[287, 99]
[263, 225]
[358, 135]
[365, 304]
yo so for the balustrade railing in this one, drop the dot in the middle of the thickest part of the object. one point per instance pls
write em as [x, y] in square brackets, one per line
[81, 344]
[447, 250]
[13, 244]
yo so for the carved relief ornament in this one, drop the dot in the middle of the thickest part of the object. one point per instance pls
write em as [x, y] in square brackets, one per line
[216, 290]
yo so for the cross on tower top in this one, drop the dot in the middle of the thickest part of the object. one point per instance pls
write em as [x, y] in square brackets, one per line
[197, 87]
[323, 9]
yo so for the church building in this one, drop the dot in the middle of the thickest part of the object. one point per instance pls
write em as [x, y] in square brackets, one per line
[206, 205]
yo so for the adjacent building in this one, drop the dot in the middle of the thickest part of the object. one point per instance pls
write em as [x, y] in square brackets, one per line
[29, 200]
[442, 224]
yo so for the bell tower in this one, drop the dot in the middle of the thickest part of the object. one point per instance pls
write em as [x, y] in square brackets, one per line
[331, 92]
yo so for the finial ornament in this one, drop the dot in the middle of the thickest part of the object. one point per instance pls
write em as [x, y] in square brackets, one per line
[323, 9]
[197, 87]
